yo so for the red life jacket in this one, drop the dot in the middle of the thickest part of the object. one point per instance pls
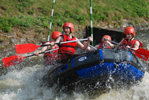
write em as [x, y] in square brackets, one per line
[68, 48]
[53, 55]
[130, 43]
[103, 46]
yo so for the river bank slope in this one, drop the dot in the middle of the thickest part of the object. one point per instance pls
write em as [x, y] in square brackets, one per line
[25, 21]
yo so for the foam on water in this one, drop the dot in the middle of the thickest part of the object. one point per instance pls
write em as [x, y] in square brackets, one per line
[136, 92]
[25, 84]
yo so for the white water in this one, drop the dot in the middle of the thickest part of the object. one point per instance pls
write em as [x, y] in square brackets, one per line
[24, 84]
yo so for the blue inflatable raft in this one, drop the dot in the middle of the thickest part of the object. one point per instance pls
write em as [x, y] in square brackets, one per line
[96, 67]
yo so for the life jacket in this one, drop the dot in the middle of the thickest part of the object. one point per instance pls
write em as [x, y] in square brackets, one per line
[67, 48]
[103, 46]
[130, 43]
[52, 56]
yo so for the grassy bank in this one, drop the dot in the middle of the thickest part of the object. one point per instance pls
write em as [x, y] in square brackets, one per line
[35, 14]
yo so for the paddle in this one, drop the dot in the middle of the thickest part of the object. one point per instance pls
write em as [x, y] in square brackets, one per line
[16, 59]
[93, 47]
[141, 53]
[30, 47]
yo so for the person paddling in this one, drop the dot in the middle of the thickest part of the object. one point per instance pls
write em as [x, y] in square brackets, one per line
[130, 42]
[104, 43]
[67, 50]
[50, 57]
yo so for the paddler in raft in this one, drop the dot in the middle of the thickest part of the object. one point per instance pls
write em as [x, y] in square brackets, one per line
[50, 58]
[67, 50]
[129, 42]
[104, 43]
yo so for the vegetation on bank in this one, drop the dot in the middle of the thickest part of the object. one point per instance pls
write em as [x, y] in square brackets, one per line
[36, 14]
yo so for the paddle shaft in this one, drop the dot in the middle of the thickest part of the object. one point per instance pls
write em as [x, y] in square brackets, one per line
[117, 44]
[65, 42]
[93, 47]
[16, 59]
[40, 53]
[30, 47]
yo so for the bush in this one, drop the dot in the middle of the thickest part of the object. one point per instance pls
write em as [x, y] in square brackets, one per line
[31, 12]
[99, 17]
[6, 29]
[4, 25]
[14, 21]
[22, 5]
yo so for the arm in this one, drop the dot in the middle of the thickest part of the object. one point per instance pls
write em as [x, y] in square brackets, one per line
[118, 45]
[136, 45]
[43, 49]
[59, 39]
[110, 44]
[90, 48]
[86, 46]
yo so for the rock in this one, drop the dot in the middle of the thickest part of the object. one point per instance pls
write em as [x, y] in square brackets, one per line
[23, 40]
[147, 46]
[14, 40]
[44, 39]
[111, 26]
[1, 42]
[125, 24]
[6, 43]
[11, 34]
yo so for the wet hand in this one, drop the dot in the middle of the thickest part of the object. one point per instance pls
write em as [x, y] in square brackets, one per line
[37, 54]
[106, 41]
[128, 47]
[52, 43]
[89, 39]
[84, 43]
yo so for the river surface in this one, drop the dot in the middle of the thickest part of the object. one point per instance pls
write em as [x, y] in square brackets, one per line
[22, 82]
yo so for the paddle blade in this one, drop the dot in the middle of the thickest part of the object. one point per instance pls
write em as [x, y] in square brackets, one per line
[12, 60]
[144, 57]
[25, 48]
[142, 53]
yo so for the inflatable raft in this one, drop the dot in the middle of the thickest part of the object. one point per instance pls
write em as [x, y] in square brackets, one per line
[97, 67]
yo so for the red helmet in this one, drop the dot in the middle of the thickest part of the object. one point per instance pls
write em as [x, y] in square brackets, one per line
[129, 30]
[70, 25]
[55, 34]
[107, 37]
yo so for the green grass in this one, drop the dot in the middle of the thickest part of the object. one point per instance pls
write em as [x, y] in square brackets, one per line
[37, 13]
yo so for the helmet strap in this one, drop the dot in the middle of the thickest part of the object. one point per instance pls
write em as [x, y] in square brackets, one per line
[70, 30]
[131, 38]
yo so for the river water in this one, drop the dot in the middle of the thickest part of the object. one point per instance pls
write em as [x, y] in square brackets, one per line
[22, 82]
